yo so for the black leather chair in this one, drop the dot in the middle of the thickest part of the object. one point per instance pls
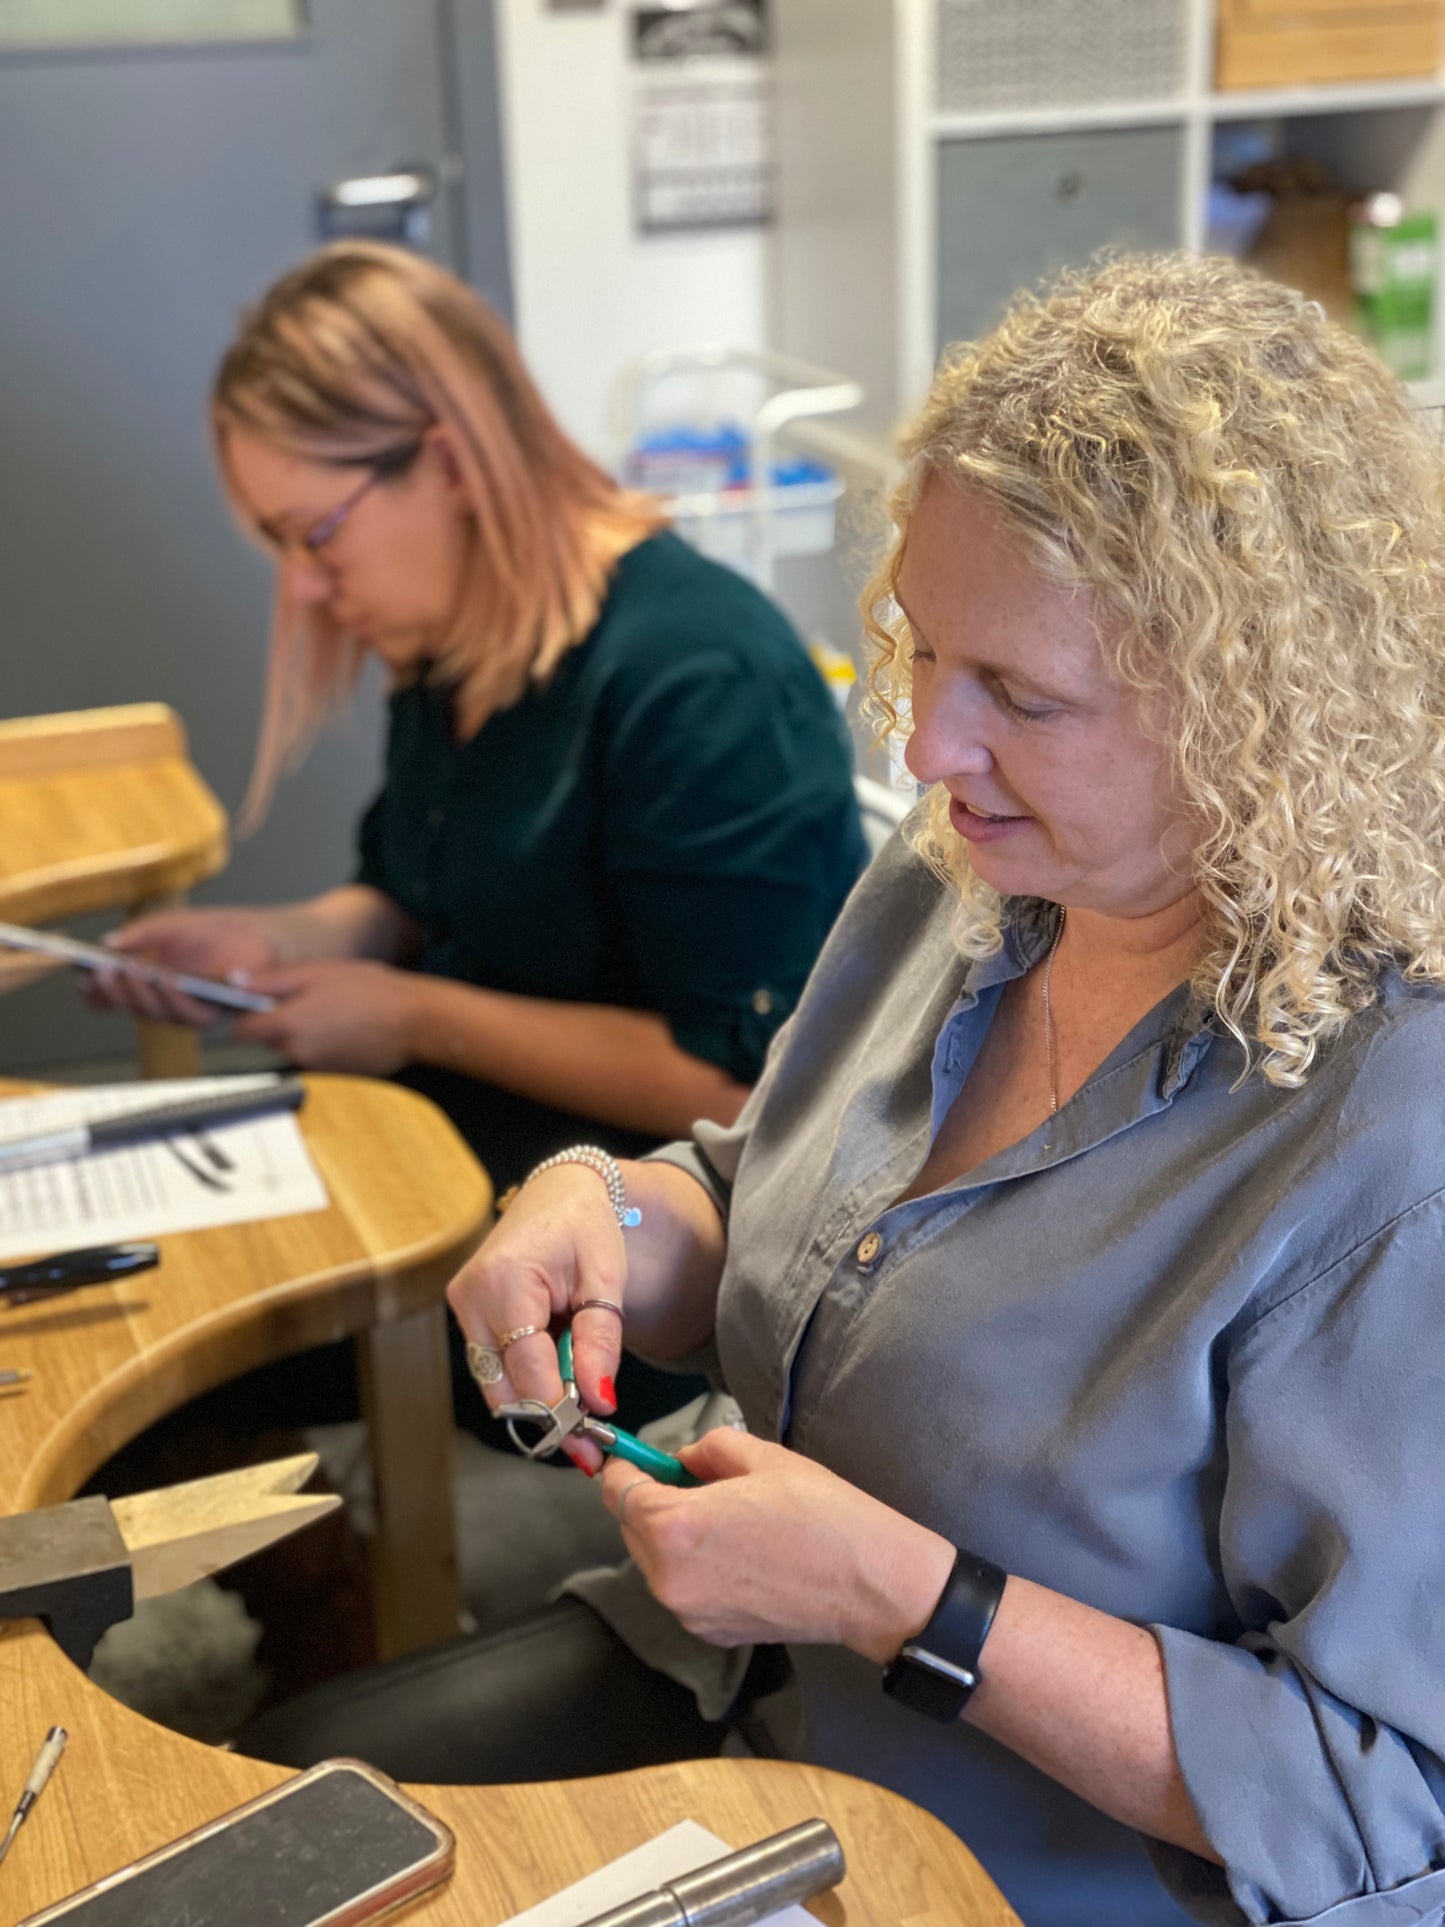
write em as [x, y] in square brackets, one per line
[557, 1696]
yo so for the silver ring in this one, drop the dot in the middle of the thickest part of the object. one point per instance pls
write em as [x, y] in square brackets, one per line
[504, 1339]
[631, 1486]
[484, 1362]
[598, 1304]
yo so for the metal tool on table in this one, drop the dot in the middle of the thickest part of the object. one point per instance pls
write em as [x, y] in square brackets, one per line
[81, 1567]
[51, 1749]
[569, 1419]
[742, 1887]
[186, 1114]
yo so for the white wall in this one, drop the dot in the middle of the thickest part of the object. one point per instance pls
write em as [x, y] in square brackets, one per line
[589, 293]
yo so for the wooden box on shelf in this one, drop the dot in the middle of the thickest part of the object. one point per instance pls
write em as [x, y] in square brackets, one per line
[1296, 43]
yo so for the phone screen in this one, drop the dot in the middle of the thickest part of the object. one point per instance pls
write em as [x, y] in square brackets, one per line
[314, 1852]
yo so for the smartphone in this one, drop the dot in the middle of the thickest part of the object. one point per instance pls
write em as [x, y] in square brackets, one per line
[337, 1845]
[94, 956]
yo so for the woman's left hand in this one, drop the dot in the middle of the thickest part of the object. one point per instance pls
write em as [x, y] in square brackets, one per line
[342, 1015]
[774, 1547]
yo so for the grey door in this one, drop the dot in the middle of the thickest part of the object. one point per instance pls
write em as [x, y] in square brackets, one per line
[1017, 208]
[146, 193]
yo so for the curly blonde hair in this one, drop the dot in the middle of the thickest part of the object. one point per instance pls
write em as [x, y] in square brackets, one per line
[1261, 520]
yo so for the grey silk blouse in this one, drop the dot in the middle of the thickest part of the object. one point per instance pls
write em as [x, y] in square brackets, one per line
[1179, 1354]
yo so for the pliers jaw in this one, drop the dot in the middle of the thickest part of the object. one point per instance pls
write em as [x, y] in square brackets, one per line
[569, 1419]
[555, 1423]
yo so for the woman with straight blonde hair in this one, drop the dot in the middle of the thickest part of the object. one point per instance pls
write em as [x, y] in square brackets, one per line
[617, 819]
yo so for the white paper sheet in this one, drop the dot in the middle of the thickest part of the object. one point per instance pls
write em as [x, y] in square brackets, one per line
[679, 1850]
[150, 1189]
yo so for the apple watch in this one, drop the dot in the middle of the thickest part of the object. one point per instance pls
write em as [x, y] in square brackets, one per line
[937, 1669]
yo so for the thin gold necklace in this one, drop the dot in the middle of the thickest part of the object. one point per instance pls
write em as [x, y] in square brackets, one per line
[1049, 1019]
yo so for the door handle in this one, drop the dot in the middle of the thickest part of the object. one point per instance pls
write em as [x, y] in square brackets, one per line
[395, 206]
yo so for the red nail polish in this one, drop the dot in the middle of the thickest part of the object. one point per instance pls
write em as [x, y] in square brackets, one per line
[608, 1391]
[574, 1454]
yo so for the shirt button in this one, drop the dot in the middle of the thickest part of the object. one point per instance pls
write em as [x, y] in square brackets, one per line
[436, 817]
[762, 1002]
[869, 1248]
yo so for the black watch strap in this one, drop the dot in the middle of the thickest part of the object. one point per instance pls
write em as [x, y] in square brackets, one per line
[937, 1669]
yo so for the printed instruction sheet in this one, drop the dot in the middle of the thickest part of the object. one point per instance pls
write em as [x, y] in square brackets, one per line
[225, 1174]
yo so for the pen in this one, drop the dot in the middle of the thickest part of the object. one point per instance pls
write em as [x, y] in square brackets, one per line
[221, 1107]
[51, 1749]
[67, 1270]
[13, 1377]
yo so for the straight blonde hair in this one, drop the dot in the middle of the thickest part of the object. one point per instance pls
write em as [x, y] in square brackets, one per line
[350, 358]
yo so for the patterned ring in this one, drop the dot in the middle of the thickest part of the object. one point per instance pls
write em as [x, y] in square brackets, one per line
[598, 1304]
[485, 1364]
[504, 1339]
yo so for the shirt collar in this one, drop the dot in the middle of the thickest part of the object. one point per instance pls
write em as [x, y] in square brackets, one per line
[1029, 926]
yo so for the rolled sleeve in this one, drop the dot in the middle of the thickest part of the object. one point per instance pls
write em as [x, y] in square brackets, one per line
[732, 839]
[685, 1155]
[714, 1152]
[723, 959]
[1313, 1747]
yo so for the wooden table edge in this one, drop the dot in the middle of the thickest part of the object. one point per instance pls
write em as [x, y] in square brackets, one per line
[636, 1804]
[396, 1287]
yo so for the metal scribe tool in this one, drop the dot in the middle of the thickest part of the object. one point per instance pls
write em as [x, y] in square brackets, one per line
[741, 1888]
[51, 1749]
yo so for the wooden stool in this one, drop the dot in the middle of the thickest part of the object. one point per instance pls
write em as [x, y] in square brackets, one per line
[104, 810]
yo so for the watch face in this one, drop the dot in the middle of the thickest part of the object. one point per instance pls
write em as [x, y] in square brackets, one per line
[921, 1676]
[929, 1685]
[941, 1668]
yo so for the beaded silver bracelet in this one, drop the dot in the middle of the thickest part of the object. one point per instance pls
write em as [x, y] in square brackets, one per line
[595, 1159]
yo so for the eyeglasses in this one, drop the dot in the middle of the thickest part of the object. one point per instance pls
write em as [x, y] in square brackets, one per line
[311, 541]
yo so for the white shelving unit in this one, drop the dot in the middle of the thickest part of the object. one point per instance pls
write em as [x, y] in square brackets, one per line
[874, 170]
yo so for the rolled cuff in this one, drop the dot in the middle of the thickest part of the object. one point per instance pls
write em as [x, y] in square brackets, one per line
[1319, 1813]
[1419, 1903]
[687, 1157]
[735, 1034]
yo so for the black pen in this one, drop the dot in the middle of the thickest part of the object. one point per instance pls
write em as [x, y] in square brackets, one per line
[67, 1270]
[131, 1127]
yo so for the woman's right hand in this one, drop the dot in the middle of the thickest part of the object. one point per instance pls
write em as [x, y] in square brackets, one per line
[558, 1245]
[223, 944]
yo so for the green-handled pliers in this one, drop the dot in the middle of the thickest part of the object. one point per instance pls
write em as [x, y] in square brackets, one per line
[569, 1420]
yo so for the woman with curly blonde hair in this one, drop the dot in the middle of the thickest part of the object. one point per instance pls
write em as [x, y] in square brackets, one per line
[1077, 1262]
[1273, 565]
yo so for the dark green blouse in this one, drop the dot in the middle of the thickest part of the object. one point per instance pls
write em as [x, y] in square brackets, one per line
[669, 825]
